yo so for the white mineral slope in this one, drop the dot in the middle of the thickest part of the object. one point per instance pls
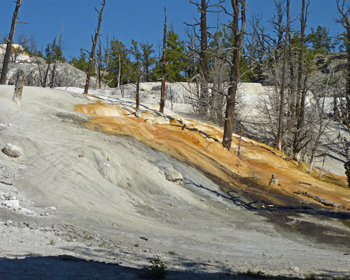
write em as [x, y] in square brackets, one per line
[106, 198]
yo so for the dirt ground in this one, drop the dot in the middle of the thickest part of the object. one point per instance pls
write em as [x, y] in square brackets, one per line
[82, 204]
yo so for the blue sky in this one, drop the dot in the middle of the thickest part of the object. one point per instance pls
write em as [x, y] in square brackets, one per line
[141, 20]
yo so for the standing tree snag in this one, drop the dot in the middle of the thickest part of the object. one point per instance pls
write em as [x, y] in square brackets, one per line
[56, 51]
[345, 108]
[17, 96]
[94, 43]
[281, 108]
[238, 45]
[162, 93]
[298, 144]
[50, 55]
[9, 44]
[344, 20]
[135, 68]
[204, 57]
[204, 7]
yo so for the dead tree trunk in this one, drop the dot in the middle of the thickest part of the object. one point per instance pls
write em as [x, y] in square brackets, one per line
[9, 44]
[238, 45]
[51, 53]
[281, 108]
[204, 99]
[56, 53]
[39, 70]
[138, 114]
[302, 78]
[345, 108]
[94, 42]
[106, 63]
[17, 96]
[162, 93]
[119, 71]
[99, 64]
[204, 58]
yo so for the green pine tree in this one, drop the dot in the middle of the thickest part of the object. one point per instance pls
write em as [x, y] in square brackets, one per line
[81, 62]
[118, 64]
[177, 63]
[147, 59]
[320, 39]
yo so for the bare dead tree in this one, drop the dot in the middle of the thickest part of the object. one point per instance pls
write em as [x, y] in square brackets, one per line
[94, 43]
[257, 46]
[204, 8]
[51, 52]
[17, 96]
[135, 68]
[56, 54]
[37, 61]
[27, 42]
[106, 62]
[281, 108]
[99, 63]
[219, 71]
[300, 139]
[162, 93]
[238, 31]
[344, 20]
[9, 44]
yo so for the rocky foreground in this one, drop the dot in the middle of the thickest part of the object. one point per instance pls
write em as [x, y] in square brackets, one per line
[82, 204]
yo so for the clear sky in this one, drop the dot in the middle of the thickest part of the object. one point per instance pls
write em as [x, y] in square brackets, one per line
[141, 20]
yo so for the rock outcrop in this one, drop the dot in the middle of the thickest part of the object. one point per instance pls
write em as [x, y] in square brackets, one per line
[35, 69]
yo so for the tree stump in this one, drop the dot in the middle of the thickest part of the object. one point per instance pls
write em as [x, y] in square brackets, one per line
[17, 96]
[273, 180]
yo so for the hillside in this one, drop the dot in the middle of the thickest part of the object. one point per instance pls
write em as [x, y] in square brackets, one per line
[155, 186]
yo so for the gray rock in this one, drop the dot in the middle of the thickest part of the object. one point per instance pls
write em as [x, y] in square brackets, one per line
[170, 173]
[12, 150]
[13, 204]
[66, 74]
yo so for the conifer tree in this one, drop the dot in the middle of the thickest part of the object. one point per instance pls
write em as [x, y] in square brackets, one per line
[177, 63]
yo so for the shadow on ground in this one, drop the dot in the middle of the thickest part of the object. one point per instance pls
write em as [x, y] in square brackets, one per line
[322, 227]
[69, 267]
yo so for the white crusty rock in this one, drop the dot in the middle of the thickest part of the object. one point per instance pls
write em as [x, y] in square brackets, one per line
[12, 150]
[13, 204]
[170, 173]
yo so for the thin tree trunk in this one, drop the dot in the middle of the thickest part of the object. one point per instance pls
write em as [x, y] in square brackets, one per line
[55, 60]
[39, 70]
[138, 97]
[240, 141]
[9, 44]
[106, 64]
[49, 62]
[119, 70]
[162, 93]
[17, 96]
[204, 102]
[92, 53]
[320, 132]
[281, 109]
[301, 92]
[347, 94]
[234, 76]
[99, 65]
